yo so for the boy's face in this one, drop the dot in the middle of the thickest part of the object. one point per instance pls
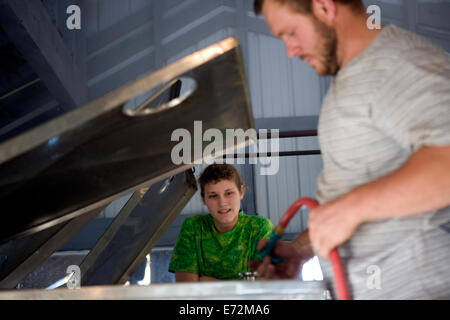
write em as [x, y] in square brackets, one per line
[304, 36]
[223, 200]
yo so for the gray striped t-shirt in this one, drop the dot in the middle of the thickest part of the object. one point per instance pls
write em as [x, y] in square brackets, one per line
[389, 101]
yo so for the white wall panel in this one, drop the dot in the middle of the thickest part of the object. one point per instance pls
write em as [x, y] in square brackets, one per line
[213, 38]
[173, 7]
[433, 21]
[296, 178]
[275, 193]
[111, 12]
[186, 16]
[272, 84]
[280, 86]
[136, 38]
[141, 40]
[254, 77]
[306, 89]
[90, 17]
[136, 5]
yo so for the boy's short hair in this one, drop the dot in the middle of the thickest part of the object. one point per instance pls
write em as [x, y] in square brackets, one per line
[217, 172]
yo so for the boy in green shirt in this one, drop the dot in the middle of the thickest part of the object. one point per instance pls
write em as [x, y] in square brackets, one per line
[218, 246]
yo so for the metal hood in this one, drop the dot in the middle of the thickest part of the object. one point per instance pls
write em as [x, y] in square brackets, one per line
[88, 157]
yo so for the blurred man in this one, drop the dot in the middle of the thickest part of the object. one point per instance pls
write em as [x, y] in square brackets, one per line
[384, 132]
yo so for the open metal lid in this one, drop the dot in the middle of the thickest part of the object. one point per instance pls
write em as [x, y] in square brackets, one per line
[101, 151]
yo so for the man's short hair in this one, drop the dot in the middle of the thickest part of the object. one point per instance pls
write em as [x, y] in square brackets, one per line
[305, 6]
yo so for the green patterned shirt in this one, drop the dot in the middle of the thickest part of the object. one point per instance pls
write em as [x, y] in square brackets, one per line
[200, 249]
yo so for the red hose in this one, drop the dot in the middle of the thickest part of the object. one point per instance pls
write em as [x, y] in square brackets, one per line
[336, 263]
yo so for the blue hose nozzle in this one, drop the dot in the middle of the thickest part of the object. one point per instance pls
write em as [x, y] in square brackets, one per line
[267, 250]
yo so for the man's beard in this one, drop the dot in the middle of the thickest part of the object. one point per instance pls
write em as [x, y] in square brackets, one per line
[327, 48]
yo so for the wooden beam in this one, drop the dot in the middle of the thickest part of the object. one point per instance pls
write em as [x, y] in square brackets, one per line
[30, 28]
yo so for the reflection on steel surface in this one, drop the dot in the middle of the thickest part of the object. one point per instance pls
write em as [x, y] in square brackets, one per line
[224, 290]
[25, 254]
[61, 282]
[119, 252]
[95, 154]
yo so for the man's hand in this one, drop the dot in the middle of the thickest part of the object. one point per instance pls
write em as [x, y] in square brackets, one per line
[295, 254]
[330, 225]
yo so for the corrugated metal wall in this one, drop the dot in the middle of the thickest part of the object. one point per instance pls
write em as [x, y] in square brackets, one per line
[130, 38]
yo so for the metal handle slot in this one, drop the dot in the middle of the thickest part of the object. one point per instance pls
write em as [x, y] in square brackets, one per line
[188, 86]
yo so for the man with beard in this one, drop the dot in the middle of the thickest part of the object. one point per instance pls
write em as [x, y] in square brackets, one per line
[384, 132]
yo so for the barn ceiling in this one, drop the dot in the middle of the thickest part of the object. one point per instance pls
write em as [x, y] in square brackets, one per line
[38, 74]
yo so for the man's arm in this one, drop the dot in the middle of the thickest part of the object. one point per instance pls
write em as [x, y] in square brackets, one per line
[295, 253]
[303, 245]
[421, 184]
